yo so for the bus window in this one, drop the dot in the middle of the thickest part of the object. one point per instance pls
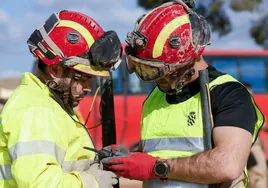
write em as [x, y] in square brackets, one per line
[117, 81]
[251, 69]
[253, 72]
[226, 66]
[134, 84]
[119, 77]
[126, 83]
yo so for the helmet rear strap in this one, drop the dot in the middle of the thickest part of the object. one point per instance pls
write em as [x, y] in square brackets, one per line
[51, 44]
[40, 35]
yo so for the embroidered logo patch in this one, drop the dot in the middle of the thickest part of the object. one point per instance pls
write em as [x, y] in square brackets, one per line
[191, 118]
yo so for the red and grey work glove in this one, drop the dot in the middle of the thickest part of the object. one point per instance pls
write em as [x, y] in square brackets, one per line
[138, 166]
[114, 148]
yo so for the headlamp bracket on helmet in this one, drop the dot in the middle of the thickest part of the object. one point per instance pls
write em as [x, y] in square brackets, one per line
[136, 41]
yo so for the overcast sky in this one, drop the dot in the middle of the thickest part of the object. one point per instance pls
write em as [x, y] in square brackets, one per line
[19, 18]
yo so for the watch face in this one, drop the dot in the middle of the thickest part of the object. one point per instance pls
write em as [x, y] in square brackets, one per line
[161, 169]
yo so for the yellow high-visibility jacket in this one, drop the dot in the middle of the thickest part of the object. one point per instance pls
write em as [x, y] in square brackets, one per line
[40, 143]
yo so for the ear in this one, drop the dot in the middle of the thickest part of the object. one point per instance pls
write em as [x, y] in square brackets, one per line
[55, 71]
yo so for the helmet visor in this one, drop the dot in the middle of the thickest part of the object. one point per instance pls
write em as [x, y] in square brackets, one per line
[84, 65]
[92, 70]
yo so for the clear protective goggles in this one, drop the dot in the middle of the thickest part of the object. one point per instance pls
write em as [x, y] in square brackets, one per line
[150, 70]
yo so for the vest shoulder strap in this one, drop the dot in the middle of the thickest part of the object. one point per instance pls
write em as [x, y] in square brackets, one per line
[221, 80]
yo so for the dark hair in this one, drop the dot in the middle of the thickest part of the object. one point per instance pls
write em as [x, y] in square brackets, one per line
[41, 65]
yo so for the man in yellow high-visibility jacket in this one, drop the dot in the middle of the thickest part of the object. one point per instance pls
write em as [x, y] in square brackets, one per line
[166, 47]
[41, 138]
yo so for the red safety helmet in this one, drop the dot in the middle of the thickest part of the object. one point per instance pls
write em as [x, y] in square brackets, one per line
[66, 38]
[167, 38]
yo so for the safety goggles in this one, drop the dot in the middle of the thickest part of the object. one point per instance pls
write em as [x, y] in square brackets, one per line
[104, 53]
[150, 70]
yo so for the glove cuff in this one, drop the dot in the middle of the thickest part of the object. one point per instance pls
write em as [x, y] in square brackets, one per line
[154, 161]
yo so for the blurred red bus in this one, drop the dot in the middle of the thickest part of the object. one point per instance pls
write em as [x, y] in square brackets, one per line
[130, 92]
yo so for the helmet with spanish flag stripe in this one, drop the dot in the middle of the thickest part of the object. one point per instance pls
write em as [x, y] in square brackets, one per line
[67, 38]
[171, 33]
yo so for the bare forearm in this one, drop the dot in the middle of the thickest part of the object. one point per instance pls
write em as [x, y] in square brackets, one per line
[208, 167]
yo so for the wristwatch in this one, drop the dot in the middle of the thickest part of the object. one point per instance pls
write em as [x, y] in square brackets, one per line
[161, 169]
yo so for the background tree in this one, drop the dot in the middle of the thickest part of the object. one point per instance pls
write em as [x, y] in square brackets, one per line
[215, 12]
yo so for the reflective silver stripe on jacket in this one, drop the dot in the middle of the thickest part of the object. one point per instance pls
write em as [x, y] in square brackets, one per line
[153, 183]
[194, 144]
[5, 172]
[36, 147]
[79, 165]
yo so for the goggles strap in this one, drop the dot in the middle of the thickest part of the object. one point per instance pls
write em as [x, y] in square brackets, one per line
[74, 60]
[32, 46]
[36, 41]
[53, 46]
[186, 7]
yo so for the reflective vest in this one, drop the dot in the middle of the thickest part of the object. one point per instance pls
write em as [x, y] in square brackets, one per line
[40, 143]
[176, 130]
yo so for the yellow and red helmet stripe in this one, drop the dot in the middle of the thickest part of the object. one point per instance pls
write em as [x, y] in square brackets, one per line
[88, 69]
[162, 26]
[79, 28]
[166, 32]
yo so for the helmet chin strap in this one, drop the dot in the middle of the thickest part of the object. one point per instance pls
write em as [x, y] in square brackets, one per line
[62, 89]
[178, 82]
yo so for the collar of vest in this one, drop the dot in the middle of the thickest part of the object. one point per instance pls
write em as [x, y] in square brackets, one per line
[192, 88]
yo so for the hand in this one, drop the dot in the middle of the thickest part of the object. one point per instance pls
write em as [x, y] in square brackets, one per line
[112, 151]
[104, 178]
[114, 148]
[136, 165]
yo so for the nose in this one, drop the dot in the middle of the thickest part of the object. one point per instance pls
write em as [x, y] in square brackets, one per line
[87, 85]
